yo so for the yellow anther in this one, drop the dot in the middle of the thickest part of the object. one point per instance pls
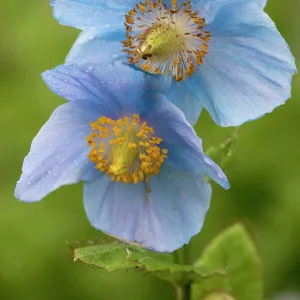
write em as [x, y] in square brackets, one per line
[158, 141]
[121, 122]
[125, 149]
[99, 165]
[174, 4]
[141, 7]
[163, 40]
[132, 12]
[132, 145]
[141, 176]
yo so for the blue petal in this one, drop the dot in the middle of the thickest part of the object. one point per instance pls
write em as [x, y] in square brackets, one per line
[92, 13]
[58, 154]
[181, 96]
[174, 212]
[248, 70]
[261, 3]
[208, 9]
[108, 87]
[179, 137]
[93, 46]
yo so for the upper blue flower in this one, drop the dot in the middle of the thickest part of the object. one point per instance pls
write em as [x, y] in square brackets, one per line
[142, 163]
[225, 55]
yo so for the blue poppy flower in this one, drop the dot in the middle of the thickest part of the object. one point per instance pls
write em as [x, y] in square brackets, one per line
[225, 55]
[141, 161]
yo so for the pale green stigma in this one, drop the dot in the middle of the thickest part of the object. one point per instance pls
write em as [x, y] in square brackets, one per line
[161, 42]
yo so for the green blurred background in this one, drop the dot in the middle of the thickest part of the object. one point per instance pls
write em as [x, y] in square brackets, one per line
[34, 260]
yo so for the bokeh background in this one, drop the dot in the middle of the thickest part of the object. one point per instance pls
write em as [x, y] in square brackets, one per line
[34, 260]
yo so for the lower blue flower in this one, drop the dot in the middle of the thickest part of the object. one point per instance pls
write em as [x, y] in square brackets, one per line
[142, 163]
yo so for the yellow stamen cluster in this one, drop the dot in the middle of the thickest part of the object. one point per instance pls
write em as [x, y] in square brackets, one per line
[126, 149]
[162, 40]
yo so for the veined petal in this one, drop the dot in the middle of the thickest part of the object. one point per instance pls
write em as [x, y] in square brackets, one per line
[181, 96]
[179, 137]
[58, 154]
[90, 13]
[210, 8]
[97, 45]
[174, 212]
[261, 3]
[108, 87]
[76, 83]
[248, 69]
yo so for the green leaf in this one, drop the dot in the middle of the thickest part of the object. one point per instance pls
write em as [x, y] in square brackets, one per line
[113, 256]
[222, 153]
[233, 251]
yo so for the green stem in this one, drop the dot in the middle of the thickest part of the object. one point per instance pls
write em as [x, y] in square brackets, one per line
[183, 292]
[179, 256]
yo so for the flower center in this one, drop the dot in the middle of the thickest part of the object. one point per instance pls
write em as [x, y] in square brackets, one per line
[126, 150]
[162, 40]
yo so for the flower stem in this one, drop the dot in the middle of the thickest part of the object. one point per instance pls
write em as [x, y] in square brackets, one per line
[183, 292]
